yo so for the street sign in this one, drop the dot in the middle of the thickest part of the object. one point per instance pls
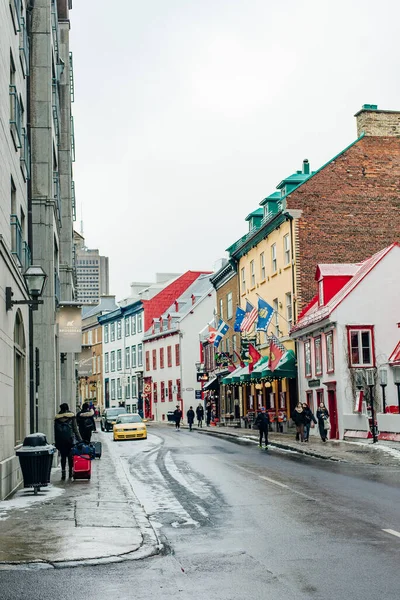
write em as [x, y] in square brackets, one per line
[190, 389]
[197, 394]
[314, 383]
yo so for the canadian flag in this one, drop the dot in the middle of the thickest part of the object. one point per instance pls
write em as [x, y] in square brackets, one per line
[213, 334]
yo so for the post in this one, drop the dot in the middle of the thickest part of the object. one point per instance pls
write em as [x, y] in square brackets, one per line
[398, 395]
[371, 399]
[383, 386]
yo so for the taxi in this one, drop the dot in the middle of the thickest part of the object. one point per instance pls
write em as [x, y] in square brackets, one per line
[129, 427]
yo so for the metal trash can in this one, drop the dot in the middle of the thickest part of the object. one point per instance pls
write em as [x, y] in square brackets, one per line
[170, 417]
[35, 459]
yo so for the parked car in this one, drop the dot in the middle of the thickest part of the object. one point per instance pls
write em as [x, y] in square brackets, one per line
[109, 417]
[129, 427]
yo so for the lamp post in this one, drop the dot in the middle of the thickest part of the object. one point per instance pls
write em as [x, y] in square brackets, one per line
[35, 279]
[383, 382]
[396, 379]
[370, 380]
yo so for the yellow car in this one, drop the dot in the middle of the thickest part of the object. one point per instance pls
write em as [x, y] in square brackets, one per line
[129, 427]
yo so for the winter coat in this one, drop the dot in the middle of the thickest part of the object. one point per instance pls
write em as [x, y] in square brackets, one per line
[86, 422]
[299, 418]
[322, 415]
[200, 413]
[262, 421]
[66, 432]
[190, 416]
[177, 415]
[308, 416]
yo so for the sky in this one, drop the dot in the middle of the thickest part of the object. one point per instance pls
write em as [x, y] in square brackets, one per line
[188, 113]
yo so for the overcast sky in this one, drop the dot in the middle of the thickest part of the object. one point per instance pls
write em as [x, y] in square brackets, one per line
[189, 112]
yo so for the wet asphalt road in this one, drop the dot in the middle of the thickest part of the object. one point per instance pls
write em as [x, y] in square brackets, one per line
[239, 522]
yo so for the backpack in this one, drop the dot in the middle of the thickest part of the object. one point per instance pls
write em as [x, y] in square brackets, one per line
[87, 423]
[63, 432]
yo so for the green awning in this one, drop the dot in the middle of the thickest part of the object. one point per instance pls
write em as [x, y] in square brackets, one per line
[285, 369]
[260, 366]
[229, 378]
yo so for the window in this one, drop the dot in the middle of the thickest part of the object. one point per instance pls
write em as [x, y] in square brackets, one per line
[155, 399]
[106, 334]
[113, 360]
[147, 360]
[112, 389]
[162, 384]
[98, 363]
[361, 350]
[140, 355]
[128, 388]
[154, 361]
[133, 388]
[177, 355]
[227, 345]
[170, 390]
[289, 311]
[321, 293]
[252, 274]
[119, 360]
[178, 388]
[169, 356]
[275, 305]
[307, 358]
[127, 358]
[161, 358]
[330, 364]
[133, 324]
[133, 357]
[112, 332]
[127, 327]
[262, 266]
[243, 278]
[286, 250]
[318, 356]
[221, 308]
[234, 345]
[274, 263]
[119, 389]
[229, 306]
[119, 330]
[106, 362]
[139, 323]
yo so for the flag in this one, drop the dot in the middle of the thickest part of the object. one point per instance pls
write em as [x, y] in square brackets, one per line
[240, 313]
[239, 359]
[254, 356]
[276, 351]
[221, 331]
[251, 316]
[265, 312]
[213, 332]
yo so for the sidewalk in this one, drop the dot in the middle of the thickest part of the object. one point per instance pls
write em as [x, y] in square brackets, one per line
[362, 452]
[71, 523]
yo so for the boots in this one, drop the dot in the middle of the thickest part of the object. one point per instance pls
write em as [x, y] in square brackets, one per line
[63, 474]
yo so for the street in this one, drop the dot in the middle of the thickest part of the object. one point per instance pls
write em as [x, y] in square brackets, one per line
[236, 521]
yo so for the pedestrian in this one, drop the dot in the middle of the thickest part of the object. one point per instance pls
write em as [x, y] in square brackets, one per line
[208, 413]
[66, 434]
[262, 422]
[200, 415]
[323, 421]
[298, 417]
[86, 422]
[190, 417]
[308, 417]
[177, 417]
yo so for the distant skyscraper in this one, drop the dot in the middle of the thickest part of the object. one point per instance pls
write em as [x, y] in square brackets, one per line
[92, 272]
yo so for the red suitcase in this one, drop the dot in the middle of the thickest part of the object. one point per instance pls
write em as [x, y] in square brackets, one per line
[82, 467]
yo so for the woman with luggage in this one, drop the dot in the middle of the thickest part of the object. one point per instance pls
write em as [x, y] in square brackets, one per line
[66, 434]
[86, 422]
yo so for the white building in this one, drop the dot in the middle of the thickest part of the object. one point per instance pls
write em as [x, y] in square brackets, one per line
[346, 340]
[171, 348]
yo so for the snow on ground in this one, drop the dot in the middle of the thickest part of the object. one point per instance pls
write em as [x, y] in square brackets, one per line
[25, 499]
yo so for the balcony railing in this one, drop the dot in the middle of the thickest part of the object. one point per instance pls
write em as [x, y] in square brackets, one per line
[73, 200]
[71, 77]
[24, 48]
[72, 140]
[15, 116]
[56, 109]
[57, 195]
[25, 156]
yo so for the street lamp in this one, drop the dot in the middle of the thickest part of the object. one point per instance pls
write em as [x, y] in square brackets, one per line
[396, 379]
[370, 380]
[198, 366]
[35, 280]
[383, 382]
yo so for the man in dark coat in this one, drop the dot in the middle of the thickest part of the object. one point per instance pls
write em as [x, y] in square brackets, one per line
[308, 417]
[262, 422]
[66, 434]
[200, 415]
[190, 417]
[86, 422]
[208, 413]
[177, 417]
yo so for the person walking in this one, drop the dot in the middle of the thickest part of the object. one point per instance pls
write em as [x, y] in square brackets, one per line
[190, 417]
[308, 417]
[177, 417]
[200, 415]
[323, 421]
[86, 422]
[262, 422]
[66, 434]
[208, 413]
[298, 417]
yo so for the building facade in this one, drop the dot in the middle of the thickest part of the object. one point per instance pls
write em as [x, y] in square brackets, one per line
[92, 272]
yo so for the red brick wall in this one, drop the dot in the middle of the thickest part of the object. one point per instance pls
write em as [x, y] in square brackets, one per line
[350, 209]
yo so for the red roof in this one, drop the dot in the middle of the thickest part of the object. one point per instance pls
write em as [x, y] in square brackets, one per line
[157, 305]
[394, 358]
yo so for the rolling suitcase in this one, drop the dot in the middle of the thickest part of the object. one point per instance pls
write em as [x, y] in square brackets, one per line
[82, 467]
[97, 449]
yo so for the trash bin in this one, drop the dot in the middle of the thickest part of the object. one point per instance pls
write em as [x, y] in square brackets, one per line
[35, 459]
[170, 416]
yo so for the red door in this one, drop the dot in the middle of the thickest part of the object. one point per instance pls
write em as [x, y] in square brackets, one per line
[333, 416]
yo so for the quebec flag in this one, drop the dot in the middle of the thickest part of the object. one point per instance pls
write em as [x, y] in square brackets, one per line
[265, 312]
[221, 331]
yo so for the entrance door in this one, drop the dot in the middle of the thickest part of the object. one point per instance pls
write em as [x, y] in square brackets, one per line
[333, 416]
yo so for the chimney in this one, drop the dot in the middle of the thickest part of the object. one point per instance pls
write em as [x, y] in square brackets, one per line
[306, 167]
[374, 122]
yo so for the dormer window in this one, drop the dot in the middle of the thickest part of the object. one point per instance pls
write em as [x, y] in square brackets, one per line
[321, 292]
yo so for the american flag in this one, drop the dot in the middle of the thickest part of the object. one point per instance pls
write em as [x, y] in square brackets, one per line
[250, 318]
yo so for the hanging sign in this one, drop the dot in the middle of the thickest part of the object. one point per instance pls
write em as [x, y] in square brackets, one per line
[70, 329]
[203, 377]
